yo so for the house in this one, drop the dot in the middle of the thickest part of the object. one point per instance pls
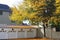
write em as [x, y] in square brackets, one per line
[4, 14]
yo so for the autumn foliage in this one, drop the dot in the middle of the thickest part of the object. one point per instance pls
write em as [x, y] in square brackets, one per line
[34, 10]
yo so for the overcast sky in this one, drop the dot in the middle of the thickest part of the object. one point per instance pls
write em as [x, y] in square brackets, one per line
[11, 2]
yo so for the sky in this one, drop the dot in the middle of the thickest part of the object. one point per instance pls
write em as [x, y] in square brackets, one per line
[11, 3]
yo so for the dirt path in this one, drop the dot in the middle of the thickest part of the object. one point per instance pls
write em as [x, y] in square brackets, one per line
[31, 39]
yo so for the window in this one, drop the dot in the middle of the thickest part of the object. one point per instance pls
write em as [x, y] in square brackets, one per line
[1, 12]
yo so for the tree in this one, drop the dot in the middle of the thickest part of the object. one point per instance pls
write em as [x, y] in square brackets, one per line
[36, 8]
[57, 13]
[57, 7]
[18, 15]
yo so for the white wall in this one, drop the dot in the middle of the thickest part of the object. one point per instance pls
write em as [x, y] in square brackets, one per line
[17, 33]
[52, 33]
[4, 19]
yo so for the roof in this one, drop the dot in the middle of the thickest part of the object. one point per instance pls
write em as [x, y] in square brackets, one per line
[4, 7]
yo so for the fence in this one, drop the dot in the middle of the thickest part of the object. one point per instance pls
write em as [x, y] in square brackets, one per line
[51, 33]
[17, 32]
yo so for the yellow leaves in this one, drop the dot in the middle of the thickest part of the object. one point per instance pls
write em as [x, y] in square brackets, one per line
[37, 3]
[21, 13]
[16, 15]
[57, 1]
[55, 20]
[32, 15]
[57, 12]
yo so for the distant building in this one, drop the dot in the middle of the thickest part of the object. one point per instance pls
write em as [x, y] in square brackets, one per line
[4, 14]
